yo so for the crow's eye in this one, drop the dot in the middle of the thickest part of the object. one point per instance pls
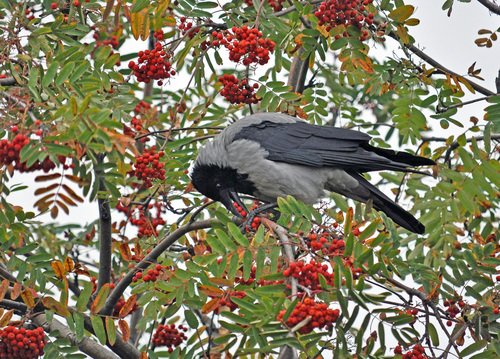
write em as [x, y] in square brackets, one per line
[218, 186]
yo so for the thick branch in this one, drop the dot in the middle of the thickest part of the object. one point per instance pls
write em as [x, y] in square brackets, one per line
[105, 238]
[151, 258]
[86, 345]
[491, 6]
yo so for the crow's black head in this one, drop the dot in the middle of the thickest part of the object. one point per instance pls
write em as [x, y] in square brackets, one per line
[221, 184]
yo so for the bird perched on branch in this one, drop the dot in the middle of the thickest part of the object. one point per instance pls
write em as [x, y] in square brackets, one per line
[271, 155]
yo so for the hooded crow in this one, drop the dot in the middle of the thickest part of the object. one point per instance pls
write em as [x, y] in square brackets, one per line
[271, 155]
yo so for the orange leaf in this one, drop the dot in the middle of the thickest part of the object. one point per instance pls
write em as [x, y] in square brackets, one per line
[211, 291]
[46, 189]
[221, 281]
[69, 264]
[58, 268]
[6, 318]
[16, 290]
[76, 179]
[3, 288]
[52, 304]
[28, 298]
[54, 211]
[43, 178]
[125, 251]
[125, 329]
[72, 193]
[210, 306]
[67, 200]
[100, 299]
[63, 206]
[128, 306]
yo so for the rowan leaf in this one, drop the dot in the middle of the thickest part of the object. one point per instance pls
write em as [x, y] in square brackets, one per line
[58, 268]
[402, 13]
[43, 190]
[111, 330]
[125, 329]
[4, 287]
[98, 327]
[16, 290]
[6, 317]
[28, 298]
[56, 306]
[129, 306]
[100, 298]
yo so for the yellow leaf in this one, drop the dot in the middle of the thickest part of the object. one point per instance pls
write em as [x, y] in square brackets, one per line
[402, 13]
[28, 298]
[16, 291]
[139, 22]
[466, 83]
[412, 22]
[6, 318]
[403, 34]
[52, 304]
[322, 30]
[3, 288]
[58, 268]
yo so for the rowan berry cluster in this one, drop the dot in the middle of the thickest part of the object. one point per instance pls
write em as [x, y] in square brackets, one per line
[147, 167]
[320, 316]
[151, 274]
[307, 274]
[417, 352]
[255, 221]
[169, 336]
[21, 342]
[238, 91]
[277, 5]
[105, 40]
[453, 308]
[333, 13]
[152, 65]
[29, 14]
[10, 154]
[159, 35]
[142, 217]
[328, 243]
[245, 45]
[186, 27]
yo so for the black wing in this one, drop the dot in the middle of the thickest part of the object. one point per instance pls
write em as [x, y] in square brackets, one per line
[324, 146]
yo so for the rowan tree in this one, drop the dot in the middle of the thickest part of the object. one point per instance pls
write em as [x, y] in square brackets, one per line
[107, 102]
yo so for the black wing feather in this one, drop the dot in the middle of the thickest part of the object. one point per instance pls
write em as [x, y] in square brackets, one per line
[324, 146]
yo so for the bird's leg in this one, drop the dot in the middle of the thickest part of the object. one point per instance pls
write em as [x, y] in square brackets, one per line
[252, 214]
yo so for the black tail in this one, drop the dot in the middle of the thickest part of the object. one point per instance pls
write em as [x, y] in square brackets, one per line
[401, 157]
[383, 203]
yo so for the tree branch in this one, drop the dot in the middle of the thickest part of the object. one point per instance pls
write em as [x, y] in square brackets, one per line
[86, 345]
[494, 8]
[437, 65]
[105, 238]
[151, 258]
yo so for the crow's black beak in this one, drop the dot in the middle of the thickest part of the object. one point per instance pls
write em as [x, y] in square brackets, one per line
[228, 196]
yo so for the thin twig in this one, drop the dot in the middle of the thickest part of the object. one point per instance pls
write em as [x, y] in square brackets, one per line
[437, 65]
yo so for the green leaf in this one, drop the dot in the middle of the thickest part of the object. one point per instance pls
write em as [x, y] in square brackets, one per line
[474, 347]
[237, 235]
[111, 330]
[139, 5]
[64, 73]
[191, 319]
[84, 297]
[98, 327]
[49, 75]
[433, 334]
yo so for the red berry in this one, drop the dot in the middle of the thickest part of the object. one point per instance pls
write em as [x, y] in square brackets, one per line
[54, 5]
